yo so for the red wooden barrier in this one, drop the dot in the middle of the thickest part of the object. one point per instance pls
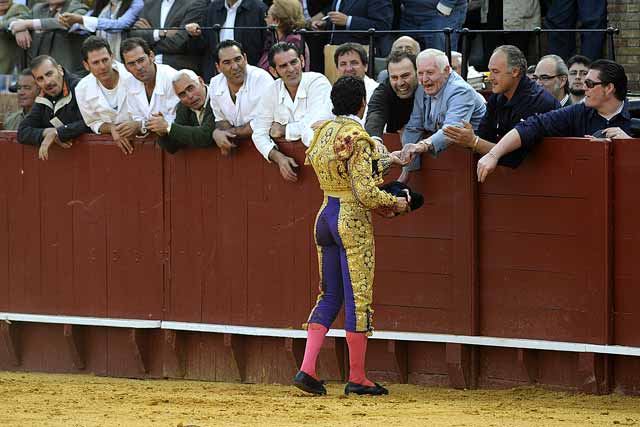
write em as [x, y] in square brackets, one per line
[197, 237]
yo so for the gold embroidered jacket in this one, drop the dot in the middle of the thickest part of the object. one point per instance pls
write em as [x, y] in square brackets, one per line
[345, 158]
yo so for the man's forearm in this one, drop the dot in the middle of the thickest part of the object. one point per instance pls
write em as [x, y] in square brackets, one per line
[484, 146]
[510, 142]
[243, 131]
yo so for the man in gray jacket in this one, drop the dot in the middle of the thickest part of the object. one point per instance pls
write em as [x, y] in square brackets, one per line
[39, 31]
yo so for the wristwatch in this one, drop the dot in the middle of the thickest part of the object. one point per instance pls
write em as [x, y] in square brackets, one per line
[163, 34]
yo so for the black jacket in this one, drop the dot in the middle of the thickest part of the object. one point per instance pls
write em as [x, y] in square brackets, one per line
[250, 14]
[503, 115]
[386, 109]
[61, 112]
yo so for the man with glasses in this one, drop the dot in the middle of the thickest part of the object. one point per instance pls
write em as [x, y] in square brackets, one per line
[578, 69]
[603, 114]
[552, 74]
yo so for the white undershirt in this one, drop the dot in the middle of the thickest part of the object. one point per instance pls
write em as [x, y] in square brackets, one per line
[165, 7]
[230, 22]
[111, 96]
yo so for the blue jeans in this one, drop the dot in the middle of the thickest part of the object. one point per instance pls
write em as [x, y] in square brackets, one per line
[438, 21]
[566, 14]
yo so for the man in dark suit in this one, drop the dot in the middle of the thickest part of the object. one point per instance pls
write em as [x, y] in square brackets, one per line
[170, 46]
[359, 15]
[248, 13]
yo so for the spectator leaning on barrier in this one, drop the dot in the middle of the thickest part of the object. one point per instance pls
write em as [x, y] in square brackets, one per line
[351, 60]
[194, 122]
[9, 11]
[392, 102]
[235, 94]
[229, 14]
[48, 36]
[102, 95]
[108, 19]
[552, 74]
[150, 93]
[170, 46]
[515, 97]
[27, 92]
[55, 117]
[578, 69]
[404, 43]
[603, 114]
[445, 100]
[289, 107]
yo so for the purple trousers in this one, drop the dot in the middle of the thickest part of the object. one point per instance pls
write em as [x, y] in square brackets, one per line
[344, 239]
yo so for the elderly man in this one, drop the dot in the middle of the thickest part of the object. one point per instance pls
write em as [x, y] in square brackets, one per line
[578, 68]
[289, 106]
[514, 98]
[55, 117]
[194, 121]
[235, 94]
[48, 36]
[603, 114]
[27, 93]
[102, 95]
[392, 102]
[9, 12]
[150, 92]
[351, 60]
[445, 100]
[552, 74]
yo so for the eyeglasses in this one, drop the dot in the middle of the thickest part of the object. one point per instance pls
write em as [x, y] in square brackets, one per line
[544, 77]
[591, 84]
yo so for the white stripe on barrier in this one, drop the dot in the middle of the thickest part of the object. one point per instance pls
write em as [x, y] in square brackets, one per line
[339, 333]
[79, 320]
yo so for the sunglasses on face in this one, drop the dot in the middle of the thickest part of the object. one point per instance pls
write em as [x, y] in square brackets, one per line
[591, 84]
[543, 77]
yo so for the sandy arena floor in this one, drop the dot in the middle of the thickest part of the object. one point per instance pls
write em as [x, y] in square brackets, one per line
[41, 400]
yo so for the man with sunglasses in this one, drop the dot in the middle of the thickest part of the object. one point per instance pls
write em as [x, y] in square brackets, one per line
[578, 69]
[603, 114]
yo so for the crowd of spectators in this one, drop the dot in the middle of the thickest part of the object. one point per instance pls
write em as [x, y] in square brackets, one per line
[159, 67]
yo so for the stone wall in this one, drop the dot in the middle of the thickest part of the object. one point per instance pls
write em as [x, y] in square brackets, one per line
[625, 15]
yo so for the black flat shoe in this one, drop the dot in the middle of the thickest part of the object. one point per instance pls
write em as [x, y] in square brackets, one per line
[374, 390]
[306, 382]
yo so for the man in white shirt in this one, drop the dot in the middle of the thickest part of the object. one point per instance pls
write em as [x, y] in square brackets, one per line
[289, 106]
[151, 91]
[235, 94]
[351, 60]
[102, 95]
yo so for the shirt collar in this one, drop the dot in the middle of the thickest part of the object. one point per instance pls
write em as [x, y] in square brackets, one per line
[618, 111]
[565, 99]
[353, 117]
[234, 7]
[206, 101]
